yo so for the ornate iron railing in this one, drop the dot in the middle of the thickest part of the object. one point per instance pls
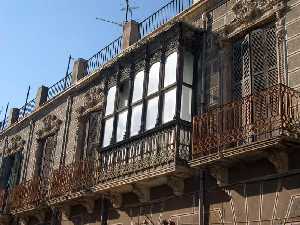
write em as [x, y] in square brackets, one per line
[28, 194]
[27, 109]
[71, 178]
[271, 113]
[104, 55]
[59, 86]
[163, 15]
[151, 151]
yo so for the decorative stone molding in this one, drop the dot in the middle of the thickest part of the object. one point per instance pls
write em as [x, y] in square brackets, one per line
[249, 12]
[280, 160]
[177, 185]
[51, 125]
[93, 101]
[142, 192]
[221, 175]
[116, 200]
[15, 145]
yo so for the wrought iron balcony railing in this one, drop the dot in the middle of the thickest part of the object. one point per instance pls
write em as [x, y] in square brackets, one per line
[71, 178]
[274, 112]
[158, 149]
[28, 194]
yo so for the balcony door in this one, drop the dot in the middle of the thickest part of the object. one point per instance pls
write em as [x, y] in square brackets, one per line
[254, 62]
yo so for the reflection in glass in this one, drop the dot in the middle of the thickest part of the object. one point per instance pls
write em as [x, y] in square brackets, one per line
[123, 94]
[169, 106]
[170, 69]
[188, 68]
[108, 129]
[152, 112]
[110, 101]
[153, 78]
[138, 87]
[186, 104]
[121, 129]
[136, 119]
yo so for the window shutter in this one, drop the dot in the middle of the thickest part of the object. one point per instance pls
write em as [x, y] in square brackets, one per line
[237, 75]
[16, 170]
[7, 164]
[246, 66]
[271, 55]
[92, 133]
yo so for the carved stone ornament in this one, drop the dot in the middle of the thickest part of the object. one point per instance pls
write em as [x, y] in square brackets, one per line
[51, 125]
[249, 11]
[93, 101]
[16, 144]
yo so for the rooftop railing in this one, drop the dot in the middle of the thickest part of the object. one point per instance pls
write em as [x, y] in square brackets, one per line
[274, 112]
[26, 109]
[163, 15]
[60, 86]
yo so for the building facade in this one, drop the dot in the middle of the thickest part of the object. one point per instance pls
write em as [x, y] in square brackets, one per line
[191, 118]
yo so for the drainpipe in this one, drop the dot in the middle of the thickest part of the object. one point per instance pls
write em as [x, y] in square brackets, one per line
[201, 212]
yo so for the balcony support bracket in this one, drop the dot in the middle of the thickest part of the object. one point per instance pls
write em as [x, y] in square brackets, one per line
[116, 199]
[88, 204]
[220, 173]
[280, 160]
[142, 192]
[177, 185]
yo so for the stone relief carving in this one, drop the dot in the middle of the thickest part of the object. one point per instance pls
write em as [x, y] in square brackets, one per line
[51, 125]
[248, 11]
[16, 144]
[93, 101]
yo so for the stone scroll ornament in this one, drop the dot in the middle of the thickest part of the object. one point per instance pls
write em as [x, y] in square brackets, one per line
[15, 145]
[51, 125]
[248, 11]
[93, 101]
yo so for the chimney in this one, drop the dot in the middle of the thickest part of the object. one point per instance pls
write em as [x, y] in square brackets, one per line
[131, 33]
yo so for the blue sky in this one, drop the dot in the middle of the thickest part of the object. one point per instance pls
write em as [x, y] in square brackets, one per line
[37, 36]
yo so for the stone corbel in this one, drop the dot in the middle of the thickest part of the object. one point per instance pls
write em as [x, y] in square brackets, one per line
[88, 204]
[221, 174]
[142, 192]
[177, 185]
[40, 216]
[65, 211]
[16, 144]
[116, 200]
[280, 160]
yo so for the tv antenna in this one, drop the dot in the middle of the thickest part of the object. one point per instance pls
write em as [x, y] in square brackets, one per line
[128, 11]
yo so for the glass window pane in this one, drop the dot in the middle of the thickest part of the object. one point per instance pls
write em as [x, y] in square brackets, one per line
[186, 104]
[123, 94]
[110, 101]
[122, 122]
[153, 78]
[170, 69]
[108, 129]
[152, 112]
[169, 105]
[188, 68]
[138, 86]
[136, 119]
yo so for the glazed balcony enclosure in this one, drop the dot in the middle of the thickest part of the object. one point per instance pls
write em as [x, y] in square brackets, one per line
[138, 134]
[256, 122]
